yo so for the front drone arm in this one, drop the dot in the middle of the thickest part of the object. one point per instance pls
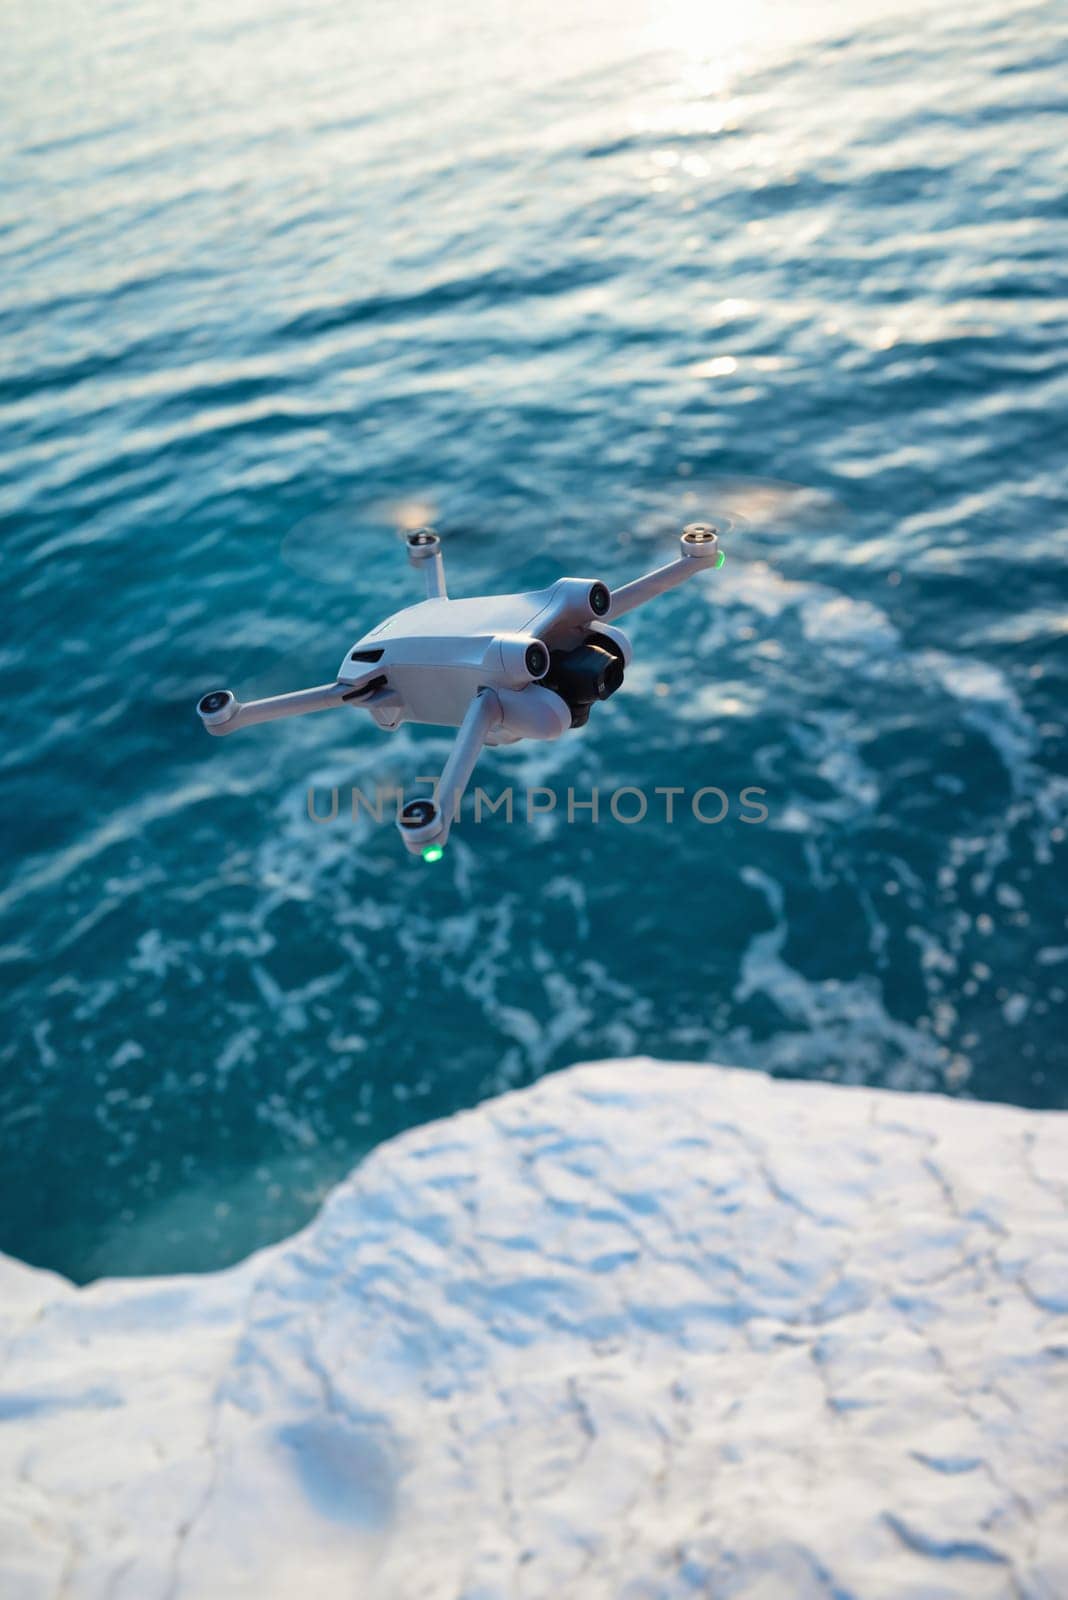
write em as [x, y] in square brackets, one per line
[424, 824]
[222, 712]
[700, 551]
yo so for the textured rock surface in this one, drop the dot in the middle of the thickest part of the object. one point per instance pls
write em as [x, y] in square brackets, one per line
[640, 1331]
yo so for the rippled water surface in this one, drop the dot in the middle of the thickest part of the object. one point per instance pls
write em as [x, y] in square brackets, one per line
[563, 278]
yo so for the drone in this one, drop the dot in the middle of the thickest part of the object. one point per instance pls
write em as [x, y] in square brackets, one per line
[498, 668]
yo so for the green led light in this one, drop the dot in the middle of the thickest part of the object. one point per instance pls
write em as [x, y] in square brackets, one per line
[720, 559]
[433, 852]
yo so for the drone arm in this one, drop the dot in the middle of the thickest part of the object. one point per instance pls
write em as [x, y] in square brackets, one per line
[700, 551]
[424, 822]
[222, 713]
[424, 550]
[635, 594]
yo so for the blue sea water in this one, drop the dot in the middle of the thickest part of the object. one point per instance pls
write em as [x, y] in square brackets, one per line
[278, 277]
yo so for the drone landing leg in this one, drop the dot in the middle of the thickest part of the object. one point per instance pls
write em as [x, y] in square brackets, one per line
[425, 824]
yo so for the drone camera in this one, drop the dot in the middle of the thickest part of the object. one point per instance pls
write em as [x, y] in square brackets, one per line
[600, 599]
[590, 672]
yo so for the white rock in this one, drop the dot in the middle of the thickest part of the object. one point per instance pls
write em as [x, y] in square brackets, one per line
[640, 1332]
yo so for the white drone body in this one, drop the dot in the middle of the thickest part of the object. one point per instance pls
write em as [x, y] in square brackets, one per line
[498, 668]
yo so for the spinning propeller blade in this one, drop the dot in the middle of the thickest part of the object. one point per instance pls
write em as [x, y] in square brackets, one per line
[326, 546]
[738, 503]
[331, 546]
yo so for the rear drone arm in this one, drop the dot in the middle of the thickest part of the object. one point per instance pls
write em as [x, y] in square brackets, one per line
[424, 550]
[700, 551]
[424, 824]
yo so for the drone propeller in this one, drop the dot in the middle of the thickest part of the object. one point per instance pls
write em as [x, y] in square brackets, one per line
[323, 547]
[735, 503]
